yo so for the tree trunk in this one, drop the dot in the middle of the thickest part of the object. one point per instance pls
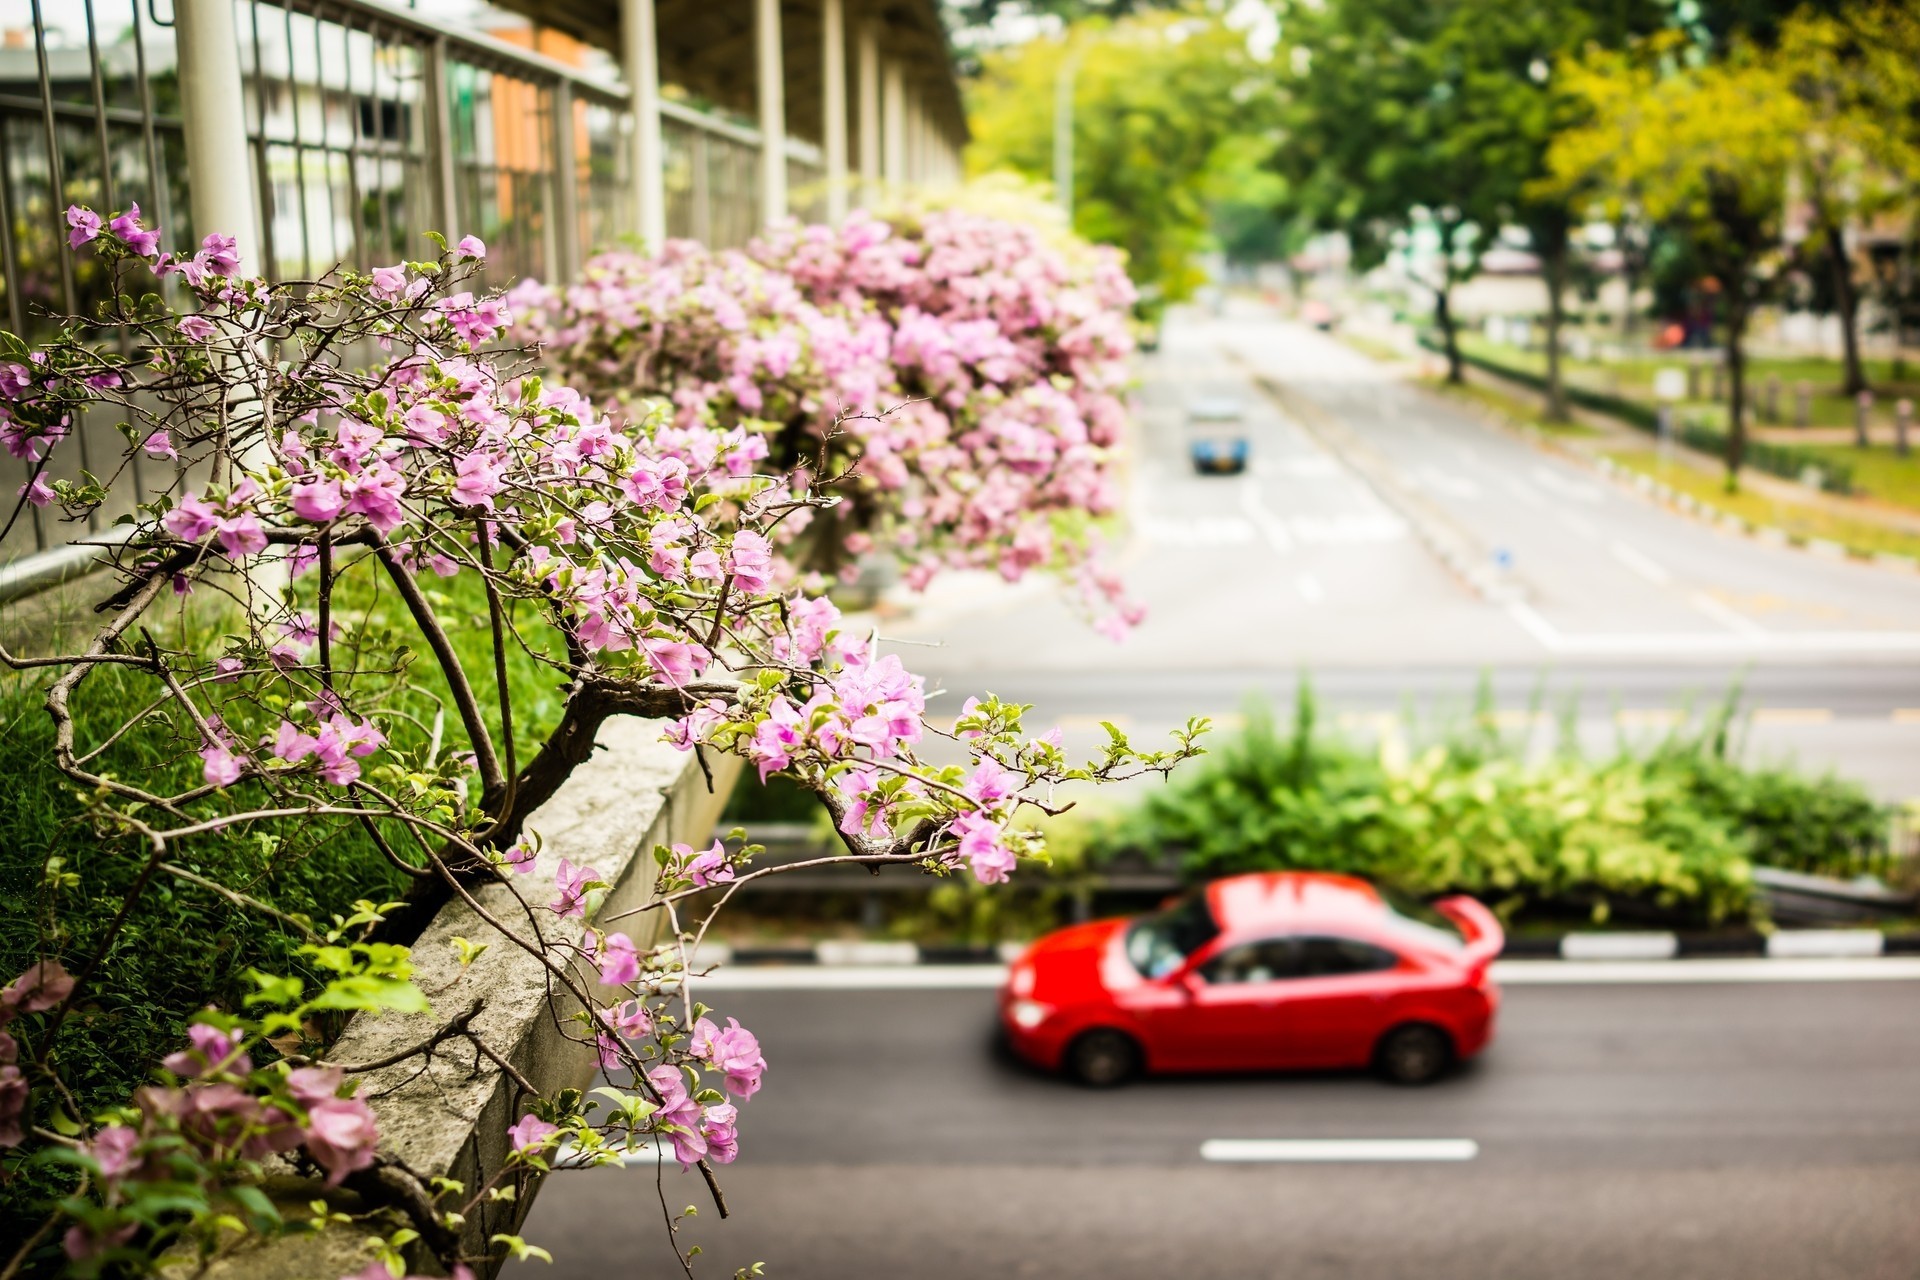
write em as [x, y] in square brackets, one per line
[1629, 276]
[1847, 302]
[1443, 316]
[1737, 384]
[1553, 263]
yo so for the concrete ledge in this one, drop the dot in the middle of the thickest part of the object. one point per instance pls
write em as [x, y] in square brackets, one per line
[450, 1119]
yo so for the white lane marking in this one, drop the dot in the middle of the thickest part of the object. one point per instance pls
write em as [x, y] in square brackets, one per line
[1619, 946]
[1375, 526]
[1200, 531]
[1309, 588]
[1554, 640]
[1336, 1150]
[1435, 480]
[1525, 492]
[1727, 615]
[1271, 527]
[1552, 973]
[1514, 973]
[1578, 490]
[1579, 527]
[1643, 565]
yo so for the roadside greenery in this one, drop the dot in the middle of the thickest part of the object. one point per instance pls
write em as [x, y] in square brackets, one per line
[1668, 833]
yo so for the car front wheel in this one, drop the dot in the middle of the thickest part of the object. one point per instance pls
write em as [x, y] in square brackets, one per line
[1102, 1059]
[1414, 1054]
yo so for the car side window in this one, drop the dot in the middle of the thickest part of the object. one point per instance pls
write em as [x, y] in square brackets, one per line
[1267, 960]
[1326, 957]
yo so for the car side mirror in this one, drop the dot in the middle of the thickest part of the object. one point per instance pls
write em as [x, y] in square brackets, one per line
[1188, 983]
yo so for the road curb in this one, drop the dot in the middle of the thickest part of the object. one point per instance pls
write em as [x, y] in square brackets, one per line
[1575, 946]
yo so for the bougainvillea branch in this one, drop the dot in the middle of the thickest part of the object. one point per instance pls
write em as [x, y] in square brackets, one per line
[378, 515]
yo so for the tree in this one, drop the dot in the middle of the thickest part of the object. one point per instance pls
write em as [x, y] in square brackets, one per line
[1705, 150]
[331, 517]
[1379, 137]
[1162, 106]
[1444, 112]
[1858, 76]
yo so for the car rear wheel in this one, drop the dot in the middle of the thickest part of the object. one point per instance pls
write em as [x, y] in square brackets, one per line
[1413, 1054]
[1102, 1059]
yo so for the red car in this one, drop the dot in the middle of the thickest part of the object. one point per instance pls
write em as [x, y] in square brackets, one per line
[1277, 970]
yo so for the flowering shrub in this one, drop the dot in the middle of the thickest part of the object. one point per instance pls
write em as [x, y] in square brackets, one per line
[970, 374]
[352, 441]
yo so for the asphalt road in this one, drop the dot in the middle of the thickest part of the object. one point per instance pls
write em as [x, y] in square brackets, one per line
[1750, 1131]
[1613, 607]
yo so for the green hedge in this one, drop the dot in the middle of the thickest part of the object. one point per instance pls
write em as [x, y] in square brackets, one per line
[1784, 460]
[1669, 834]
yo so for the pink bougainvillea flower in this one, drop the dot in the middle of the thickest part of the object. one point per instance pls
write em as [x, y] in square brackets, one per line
[531, 1133]
[572, 881]
[734, 1052]
[43, 985]
[85, 224]
[471, 247]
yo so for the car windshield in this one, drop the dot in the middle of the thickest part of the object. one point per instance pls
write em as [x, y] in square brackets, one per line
[1412, 918]
[1158, 944]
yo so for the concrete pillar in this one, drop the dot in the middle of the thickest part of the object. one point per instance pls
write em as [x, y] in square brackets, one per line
[833, 105]
[215, 119]
[867, 69]
[640, 58]
[893, 124]
[770, 84]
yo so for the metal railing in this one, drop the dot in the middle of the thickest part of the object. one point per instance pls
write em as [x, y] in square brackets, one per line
[369, 125]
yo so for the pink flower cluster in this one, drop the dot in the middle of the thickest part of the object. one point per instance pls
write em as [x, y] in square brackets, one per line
[222, 1107]
[984, 370]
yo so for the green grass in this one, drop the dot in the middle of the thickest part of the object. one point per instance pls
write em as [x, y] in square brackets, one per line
[1800, 521]
[182, 947]
[1633, 378]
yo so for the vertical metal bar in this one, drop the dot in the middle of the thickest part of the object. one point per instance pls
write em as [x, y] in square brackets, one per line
[9, 251]
[56, 179]
[381, 201]
[702, 165]
[440, 141]
[299, 147]
[107, 193]
[361, 258]
[270, 268]
[326, 142]
[546, 183]
[10, 262]
[566, 186]
[157, 178]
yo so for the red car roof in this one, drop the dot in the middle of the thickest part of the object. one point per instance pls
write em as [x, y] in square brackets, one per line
[1291, 899]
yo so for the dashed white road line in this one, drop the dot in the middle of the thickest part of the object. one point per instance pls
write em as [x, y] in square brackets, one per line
[1641, 564]
[1271, 527]
[1727, 615]
[1336, 1150]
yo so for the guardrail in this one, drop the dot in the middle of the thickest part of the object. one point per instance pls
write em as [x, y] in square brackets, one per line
[368, 124]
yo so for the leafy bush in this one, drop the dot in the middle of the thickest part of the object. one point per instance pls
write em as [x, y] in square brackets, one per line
[1668, 834]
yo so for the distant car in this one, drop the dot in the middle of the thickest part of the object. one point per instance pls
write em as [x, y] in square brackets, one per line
[1318, 314]
[1216, 443]
[1270, 971]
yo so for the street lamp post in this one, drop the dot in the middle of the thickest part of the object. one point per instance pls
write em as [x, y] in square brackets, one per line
[1063, 134]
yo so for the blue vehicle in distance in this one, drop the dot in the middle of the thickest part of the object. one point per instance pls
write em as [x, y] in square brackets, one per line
[1216, 438]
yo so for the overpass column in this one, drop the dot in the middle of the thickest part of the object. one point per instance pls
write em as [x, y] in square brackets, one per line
[640, 60]
[833, 106]
[770, 85]
[867, 58]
